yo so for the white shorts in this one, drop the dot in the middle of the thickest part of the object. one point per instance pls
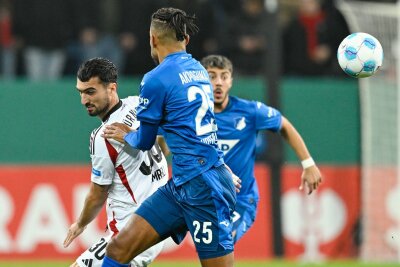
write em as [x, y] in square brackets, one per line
[118, 214]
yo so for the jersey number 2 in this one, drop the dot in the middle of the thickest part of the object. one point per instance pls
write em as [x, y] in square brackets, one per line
[206, 104]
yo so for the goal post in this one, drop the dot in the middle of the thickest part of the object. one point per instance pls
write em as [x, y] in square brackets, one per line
[380, 131]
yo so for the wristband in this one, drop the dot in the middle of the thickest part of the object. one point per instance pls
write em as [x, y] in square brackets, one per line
[307, 163]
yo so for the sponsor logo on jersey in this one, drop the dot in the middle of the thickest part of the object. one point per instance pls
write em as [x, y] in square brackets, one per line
[143, 101]
[96, 172]
[226, 145]
[158, 174]
[240, 123]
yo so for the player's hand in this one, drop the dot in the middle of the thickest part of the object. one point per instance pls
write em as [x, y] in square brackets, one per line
[116, 131]
[237, 182]
[311, 178]
[73, 231]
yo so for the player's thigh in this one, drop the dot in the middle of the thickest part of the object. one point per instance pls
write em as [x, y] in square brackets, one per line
[164, 213]
[208, 205]
[137, 236]
[243, 217]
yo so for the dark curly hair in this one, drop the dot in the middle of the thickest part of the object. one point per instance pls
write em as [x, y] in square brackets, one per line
[172, 20]
[98, 67]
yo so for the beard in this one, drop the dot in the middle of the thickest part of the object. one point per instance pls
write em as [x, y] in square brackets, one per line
[97, 111]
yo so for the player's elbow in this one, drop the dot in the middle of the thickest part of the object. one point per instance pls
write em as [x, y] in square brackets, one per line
[144, 146]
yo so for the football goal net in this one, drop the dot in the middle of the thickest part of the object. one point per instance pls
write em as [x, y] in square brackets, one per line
[380, 131]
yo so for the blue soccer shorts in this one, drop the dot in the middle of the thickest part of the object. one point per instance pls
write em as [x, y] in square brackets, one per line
[243, 216]
[204, 205]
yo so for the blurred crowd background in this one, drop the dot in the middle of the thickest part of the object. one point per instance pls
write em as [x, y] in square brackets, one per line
[48, 39]
[351, 128]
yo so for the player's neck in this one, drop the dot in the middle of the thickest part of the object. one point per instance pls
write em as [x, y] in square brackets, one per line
[164, 51]
[114, 105]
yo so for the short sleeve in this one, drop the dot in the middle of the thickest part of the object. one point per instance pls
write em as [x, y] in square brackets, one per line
[151, 101]
[267, 118]
[102, 170]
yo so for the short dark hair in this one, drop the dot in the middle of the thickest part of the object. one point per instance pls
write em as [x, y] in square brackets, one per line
[217, 61]
[98, 67]
[169, 19]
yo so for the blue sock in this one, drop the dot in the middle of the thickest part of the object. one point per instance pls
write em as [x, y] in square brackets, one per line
[108, 262]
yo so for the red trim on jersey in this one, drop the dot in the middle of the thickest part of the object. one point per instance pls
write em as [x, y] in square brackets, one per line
[120, 170]
[113, 227]
[122, 175]
[112, 152]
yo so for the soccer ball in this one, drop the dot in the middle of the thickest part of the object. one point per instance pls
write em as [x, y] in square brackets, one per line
[360, 55]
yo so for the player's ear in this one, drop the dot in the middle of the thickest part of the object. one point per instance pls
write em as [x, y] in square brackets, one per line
[113, 87]
[187, 39]
[153, 40]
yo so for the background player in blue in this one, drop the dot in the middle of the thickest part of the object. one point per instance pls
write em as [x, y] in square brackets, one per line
[177, 97]
[239, 121]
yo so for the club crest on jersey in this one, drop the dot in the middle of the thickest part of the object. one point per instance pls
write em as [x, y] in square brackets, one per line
[240, 123]
[271, 112]
[96, 172]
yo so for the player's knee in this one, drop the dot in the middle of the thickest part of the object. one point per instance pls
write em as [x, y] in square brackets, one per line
[117, 251]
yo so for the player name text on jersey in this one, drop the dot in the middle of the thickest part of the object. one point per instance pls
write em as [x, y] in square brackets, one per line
[196, 75]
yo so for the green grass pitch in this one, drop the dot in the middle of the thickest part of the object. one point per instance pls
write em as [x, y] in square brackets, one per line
[197, 264]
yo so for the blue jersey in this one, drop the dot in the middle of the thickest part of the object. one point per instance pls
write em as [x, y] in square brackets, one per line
[177, 96]
[238, 125]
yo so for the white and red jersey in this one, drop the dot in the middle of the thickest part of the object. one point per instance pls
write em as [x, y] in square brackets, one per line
[133, 174]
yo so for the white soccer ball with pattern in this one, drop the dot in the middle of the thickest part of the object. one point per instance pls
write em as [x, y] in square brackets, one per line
[360, 55]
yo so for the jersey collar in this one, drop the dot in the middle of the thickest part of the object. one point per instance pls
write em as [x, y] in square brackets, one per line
[174, 54]
[114, 108]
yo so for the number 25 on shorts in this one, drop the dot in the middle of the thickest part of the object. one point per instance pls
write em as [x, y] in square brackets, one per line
[205, 229]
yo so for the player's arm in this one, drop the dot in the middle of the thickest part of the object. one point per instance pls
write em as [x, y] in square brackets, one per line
[116, 131]
[163, 145]
[236, 180]
[149, 113]
[311, 175]
[142, 139]
[93, 203]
